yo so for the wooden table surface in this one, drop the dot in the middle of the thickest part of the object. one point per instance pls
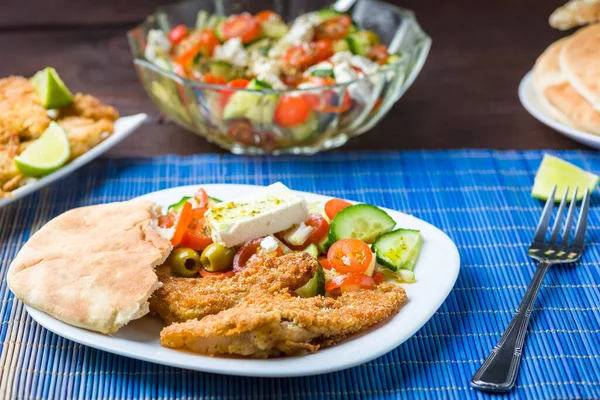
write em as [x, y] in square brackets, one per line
[466, 95]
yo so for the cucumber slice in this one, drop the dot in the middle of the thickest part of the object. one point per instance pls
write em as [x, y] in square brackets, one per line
[361, 42]
[361, 221]
[399, 249]
[315, 286]
[261, 46]
[214, 199]
[222, 69]
[274, 29]
[312, 249]
[323, 246]
[305, 129]
[179, 205]
[340, 45]
[323, 73]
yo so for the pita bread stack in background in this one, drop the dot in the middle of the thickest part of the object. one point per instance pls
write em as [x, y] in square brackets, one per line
[566, 76]
[93, 267]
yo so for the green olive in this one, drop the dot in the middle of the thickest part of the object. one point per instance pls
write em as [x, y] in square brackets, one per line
[185, 262]
[216, 258]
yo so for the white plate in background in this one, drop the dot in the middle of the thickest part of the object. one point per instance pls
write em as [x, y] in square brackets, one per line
[124, 126]
[533, 105]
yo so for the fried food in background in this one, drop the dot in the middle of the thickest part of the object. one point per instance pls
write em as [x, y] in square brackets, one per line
[182, 299]
[23, 119]
[566, 78]
[267, 325]
[575, 13]
[92, 267]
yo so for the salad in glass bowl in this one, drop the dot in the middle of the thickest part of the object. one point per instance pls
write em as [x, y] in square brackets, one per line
[253, 83]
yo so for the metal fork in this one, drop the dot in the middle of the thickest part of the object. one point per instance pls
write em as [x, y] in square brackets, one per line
[498, 372]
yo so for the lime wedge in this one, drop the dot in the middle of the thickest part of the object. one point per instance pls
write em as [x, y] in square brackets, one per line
[51, 89]
[48, 153]
[554, 171]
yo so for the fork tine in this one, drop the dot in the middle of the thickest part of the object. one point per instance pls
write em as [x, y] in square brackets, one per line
[558, 221]
[542, 228]
[582, 223]
[564, 243]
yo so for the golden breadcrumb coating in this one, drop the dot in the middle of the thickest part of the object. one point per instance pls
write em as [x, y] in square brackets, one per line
[85, 133]
[88, 106]
[182, 299]
[267, 325]
[21, 111]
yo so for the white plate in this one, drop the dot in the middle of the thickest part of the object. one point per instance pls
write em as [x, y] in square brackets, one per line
[533, 105]
[123, 127]
[436, 272]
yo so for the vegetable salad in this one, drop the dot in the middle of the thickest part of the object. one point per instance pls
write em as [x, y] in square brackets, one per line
[357, 245]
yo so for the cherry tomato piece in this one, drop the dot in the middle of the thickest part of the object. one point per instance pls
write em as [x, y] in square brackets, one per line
[320, 230]
[197, 236]
[250, 253]
[185, 217]
[325, 263]
[204, 273]
[334, 206]
[291, 111]
[378, 277]
[379, 54]
[243, 26]
[350, 282]
[297, 58]
[177, 34]
[334, 28]
[323, 50]
[214, 79]
[202, 42]
[345, 106]
[350, 255]
[202, 198]
[167, 221]
[242, 131]
[264, 16]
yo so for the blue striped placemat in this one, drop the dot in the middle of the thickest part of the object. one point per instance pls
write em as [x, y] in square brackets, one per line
[479, 197]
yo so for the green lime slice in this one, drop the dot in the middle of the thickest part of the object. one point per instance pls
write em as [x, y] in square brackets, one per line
[554, 171]
[51, 89]
[48, 153]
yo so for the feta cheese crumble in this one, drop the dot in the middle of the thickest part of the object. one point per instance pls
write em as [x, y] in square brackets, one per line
[232, 51]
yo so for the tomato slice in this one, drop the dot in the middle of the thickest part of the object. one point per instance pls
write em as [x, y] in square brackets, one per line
[379, 54]
[334, 28]
[167, 221]
[251, 252]
[345, 106]
[202, 198]
[297, 58]
[323, 50]
[334, 206]
[325, 263]
[291, 111]
[214, 79]
[264, 16]
[350, 255]
[242, 131]
[378, 277]
[185, 217]
[204, 273]
[350, 282]
[177, 34]
[197, 236]
[244, 26]
[203, 42]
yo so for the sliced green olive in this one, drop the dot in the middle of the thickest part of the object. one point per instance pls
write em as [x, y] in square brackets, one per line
[216, 258]
[185, 262]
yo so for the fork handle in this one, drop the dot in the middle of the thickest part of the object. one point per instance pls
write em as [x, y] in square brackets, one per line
[498, 372]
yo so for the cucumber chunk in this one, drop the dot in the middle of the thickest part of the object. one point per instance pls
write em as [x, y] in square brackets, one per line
[323, 73]
[222, 69]
[361, 42]
[254, 106]
[274, 29]
[261, 46]
[361, 221]
[179, 205]
[315, 286]
[399, 249]
[305, 129]
[312, 249]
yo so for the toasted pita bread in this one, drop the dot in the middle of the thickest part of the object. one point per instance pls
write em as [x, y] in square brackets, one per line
[579, 61]
[546, 72]
[92, 267]
[575, 13]
[564, 98]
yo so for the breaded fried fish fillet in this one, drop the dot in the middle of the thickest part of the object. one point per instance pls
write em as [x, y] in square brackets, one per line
[21, 111]
[182, 299]
[266, 325]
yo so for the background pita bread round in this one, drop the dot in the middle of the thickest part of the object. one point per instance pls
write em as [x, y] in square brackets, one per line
[92, 267]
[579, 61]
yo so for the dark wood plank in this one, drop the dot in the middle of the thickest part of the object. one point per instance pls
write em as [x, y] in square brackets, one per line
[466, 95]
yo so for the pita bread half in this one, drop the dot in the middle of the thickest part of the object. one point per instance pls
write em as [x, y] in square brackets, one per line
[579, 61]
[92, 267]
[546, 72]
[564, 98]
[575, 13]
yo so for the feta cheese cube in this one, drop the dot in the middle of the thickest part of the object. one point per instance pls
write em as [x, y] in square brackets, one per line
[263, 65]
[272, 80]
[302, 31]
[158, 45]
[364, 64]
[341, 57]
[232, 51]
[267, 211]
[321, 65]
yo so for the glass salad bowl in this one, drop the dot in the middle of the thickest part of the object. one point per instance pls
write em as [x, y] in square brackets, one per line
[337, 112]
